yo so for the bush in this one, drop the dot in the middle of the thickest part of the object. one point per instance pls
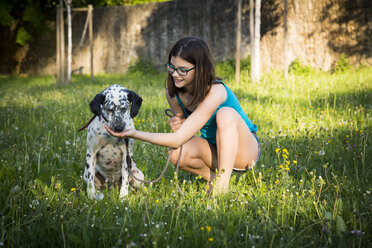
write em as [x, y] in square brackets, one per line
[142, 66]
[297, 67]
[226, 69]
[342, 64]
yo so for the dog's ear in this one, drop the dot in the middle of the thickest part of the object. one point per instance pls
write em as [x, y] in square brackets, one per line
[136, 103]
[95, 104]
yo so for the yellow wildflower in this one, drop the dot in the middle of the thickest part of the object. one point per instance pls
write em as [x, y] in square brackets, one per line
[277, 150]
[295, 161]
[73, 189]
[208, 228]
[285, 151]
[210, 239]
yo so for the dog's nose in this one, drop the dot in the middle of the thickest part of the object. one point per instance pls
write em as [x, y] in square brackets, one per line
[119, 128]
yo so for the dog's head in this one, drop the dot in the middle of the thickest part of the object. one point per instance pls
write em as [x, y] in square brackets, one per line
[119, 106]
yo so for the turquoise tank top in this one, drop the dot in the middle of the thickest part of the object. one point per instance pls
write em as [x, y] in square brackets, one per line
[208, 131]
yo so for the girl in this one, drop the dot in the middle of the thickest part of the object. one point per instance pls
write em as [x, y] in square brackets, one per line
[201, 102]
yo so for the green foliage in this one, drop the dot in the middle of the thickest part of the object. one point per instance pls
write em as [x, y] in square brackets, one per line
[311, 187]
[34, 17]
[342, 64]
[142, 66]
[226, 69]
[6, 19]
[29, 16]
[22, 36]
[106, 3]
[297, 67]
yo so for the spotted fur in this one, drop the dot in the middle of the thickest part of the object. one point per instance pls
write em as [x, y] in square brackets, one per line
[109, 160]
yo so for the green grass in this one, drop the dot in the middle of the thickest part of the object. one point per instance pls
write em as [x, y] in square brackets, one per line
[311, 188]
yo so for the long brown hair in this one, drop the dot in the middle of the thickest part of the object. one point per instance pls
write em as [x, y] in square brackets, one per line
[195, 51]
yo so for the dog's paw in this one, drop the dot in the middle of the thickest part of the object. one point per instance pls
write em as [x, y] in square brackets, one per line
[91, 190]
[123, 193]
[139, 175]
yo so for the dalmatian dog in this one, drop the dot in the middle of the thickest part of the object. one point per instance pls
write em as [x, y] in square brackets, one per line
[109, 160]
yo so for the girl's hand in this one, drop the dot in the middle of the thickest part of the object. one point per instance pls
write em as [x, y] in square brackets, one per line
[176, 121]
[125, 134]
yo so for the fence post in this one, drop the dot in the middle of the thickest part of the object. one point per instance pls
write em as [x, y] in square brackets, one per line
[286, 39]
[238, 41]
[58, 47]
[90, 7]
[62, 38]
[69, 40]
[251, 33]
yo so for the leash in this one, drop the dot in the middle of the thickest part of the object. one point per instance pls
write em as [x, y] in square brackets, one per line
[90, 121]
[170, 114]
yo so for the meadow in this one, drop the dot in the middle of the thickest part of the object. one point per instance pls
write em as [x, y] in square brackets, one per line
[311, 188]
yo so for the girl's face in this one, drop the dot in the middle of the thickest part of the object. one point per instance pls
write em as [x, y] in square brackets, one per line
[183, 81]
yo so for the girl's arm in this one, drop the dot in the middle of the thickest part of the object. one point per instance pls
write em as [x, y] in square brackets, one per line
[216, 96]
[176, 121]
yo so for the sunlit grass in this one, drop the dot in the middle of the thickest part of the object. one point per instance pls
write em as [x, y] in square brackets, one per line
[312, 186]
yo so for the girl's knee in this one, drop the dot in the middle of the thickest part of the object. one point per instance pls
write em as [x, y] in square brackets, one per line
[174, 156]
[226, 117]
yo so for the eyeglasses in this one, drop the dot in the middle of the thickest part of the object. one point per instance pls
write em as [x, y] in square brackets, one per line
[181, 71]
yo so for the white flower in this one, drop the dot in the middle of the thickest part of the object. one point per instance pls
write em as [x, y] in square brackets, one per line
[99, 196]
[131, 245]
[321, 153]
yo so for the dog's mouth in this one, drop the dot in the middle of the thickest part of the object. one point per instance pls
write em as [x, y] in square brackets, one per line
[119, 128]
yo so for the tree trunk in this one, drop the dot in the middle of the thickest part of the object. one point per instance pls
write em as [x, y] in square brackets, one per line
[251, 33]
[286, 39]
[62, 37]
[58, 45]
[69, 44]
[91, 41]
[257, 36]
[238, 41]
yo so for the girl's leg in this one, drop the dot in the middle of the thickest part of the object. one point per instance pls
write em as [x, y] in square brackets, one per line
[236, 146]
[198, 157]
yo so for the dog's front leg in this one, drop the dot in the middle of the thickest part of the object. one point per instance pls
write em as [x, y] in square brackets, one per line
[124, 177]
[135, 172]
[126, 164]
[89, 172]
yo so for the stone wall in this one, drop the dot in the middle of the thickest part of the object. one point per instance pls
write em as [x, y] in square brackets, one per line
[319, 31]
